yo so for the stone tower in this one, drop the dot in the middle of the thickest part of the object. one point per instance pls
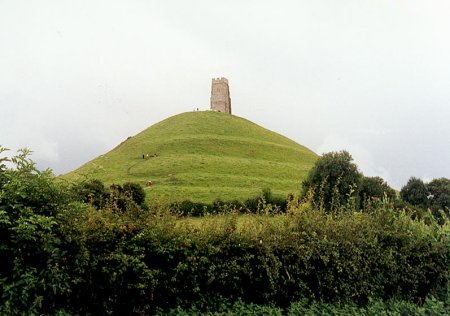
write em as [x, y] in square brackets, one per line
[220, 95]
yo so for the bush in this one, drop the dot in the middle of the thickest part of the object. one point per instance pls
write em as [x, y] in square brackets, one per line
[189, 208]
[108, 271]
[135, 192]
[118, 197]
[93, 192]
[263, 202]
[33, 278]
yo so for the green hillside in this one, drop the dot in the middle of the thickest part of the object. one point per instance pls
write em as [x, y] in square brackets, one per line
[203, 156]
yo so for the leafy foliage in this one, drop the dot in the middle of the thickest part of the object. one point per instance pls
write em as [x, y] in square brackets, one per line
[49, 263]
[32, 278]
[305, 307]
[333, 180]
[415, 192]
[94, 192]
[434, 195]
[373, 190]
[118, 197]
[439, 195]
[135, 192]
[263, 202]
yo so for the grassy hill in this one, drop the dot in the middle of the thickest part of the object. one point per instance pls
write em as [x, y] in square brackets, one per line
[203, 156]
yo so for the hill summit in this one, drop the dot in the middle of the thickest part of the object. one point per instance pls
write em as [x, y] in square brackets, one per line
[203, 156]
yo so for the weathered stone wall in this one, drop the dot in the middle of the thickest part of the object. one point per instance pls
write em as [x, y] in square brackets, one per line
[220, 95]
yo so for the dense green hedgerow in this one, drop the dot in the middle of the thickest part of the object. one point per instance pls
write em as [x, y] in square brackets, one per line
[136, 262]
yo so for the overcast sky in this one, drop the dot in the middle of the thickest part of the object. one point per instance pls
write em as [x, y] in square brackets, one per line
[371, 77]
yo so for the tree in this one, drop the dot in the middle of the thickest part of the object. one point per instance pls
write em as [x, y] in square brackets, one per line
[415, 192]
[438, 197]
[333, 180]
[434, 195]
[374, 188]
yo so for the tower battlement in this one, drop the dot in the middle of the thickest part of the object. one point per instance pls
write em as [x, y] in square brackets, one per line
[223, 79]
[220, 95]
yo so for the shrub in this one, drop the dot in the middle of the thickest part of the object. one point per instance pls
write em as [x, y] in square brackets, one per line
[189, 208]
[93, 192]
[32, 276]
[135, 192]
[118, 197]
[263, 202]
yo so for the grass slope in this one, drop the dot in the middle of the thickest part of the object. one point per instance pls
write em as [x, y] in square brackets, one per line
[203, 156]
